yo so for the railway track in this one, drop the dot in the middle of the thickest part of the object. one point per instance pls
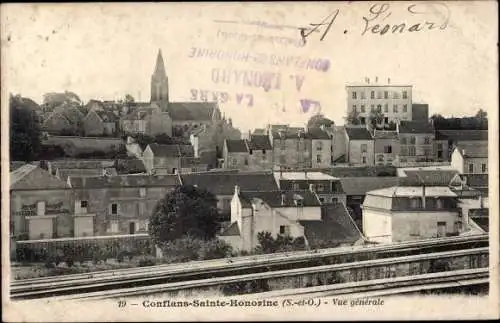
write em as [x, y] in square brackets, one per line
[301, 258]
[129, 287]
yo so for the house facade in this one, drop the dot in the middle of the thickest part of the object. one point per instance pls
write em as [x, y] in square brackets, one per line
[149, 121]
[321, 145]
[254, 153]
[274, 212]
[404, 213]
[447, 140]
[165, 159]
[120, 204]
[470, 159]
[326, 187]
[292, 148]
[386, 147]
[359, 146]
[100, 123]
[416, 139]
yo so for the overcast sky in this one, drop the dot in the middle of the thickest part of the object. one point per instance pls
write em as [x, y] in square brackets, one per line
[106, 51]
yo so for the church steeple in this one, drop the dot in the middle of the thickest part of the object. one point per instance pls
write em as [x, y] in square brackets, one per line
[159, 82]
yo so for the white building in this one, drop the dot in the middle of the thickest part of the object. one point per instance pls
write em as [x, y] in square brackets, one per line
[394, 101]
[470, 159]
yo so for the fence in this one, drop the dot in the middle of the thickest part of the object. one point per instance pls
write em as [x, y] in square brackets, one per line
[84, 248]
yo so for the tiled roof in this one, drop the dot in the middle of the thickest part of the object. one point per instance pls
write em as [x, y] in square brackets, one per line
[336, 226]
[236, 146]
[107, 116]
[124, 181]
[223, 183]
[429, 177]
[361, 185]
[303, 176]
[81, 163]
[130, 166]
[319, 134]
[477, 180]
[462, 135]
[20, 173]
[82, 172]
[482, 221]
[358, 133]
[365, 171]
[415, 127]
[171, 150]
[199, 111]
[409, 191]
[15, 165]
[385, 134]
[231, 230]
[474, 151]
[190, 162]
[278, 199]
[259, 142]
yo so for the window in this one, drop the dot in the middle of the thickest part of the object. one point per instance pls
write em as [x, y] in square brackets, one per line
[484, 168]
[388, 149]
[354, 107]
[284, 229]
[379, 108]
[296, 186]
[299, 202]
[322, 199]
[362, 120]
[405, 108]
[403, 141]
[405, 95]
[114, 208]
[364, 160]
[427, 141]
[415, 203]
[83, 204]
[364, 148]
[363, 110]
[354, 95]
[235, 161]
[386, 108]
[113, 227]
[386, 120]
[319, 145]
[386, 94]
[320, 188]
[412, 151]
[413, 140]
[142, 192]
[40, 208]
[372, 94]
[414, 228]
[471, 168]
[395, 108]
[318, 158]
[246, 161]
[263, 155]
[251, 151]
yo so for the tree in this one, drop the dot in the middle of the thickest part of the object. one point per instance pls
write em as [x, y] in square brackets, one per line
[129, 99]
[54, 99]
[318, 120]
[187, 210]
[25, 135]
[481, 114]
[353, 117]
[376, 117]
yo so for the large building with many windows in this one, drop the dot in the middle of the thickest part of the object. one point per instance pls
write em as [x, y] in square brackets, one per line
[393, 101]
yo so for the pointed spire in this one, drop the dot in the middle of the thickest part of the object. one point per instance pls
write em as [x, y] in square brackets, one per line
[160, 66]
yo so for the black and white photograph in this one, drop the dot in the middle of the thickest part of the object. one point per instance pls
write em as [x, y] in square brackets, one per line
[249, 161]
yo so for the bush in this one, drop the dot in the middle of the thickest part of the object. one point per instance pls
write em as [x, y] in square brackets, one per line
[145, 261]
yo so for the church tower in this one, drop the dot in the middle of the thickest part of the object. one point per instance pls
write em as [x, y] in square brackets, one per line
[159, 83]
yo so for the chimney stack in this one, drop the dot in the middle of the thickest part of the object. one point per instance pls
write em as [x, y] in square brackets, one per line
[282, 199]
[311, 187]
[236, 190]
[423, 196]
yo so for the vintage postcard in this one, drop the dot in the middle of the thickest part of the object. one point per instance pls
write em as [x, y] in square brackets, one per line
[249, 161]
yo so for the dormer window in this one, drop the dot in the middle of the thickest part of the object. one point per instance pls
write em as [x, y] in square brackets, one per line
[299, 202]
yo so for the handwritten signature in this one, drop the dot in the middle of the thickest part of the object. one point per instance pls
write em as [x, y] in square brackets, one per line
[378, 13]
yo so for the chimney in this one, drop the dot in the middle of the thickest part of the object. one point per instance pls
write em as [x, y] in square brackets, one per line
[376, 79]
[236, 190]
[388, 80]
[463, 152]
[311, 187]
[423, 196]
[283, 199]
[481, 202]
